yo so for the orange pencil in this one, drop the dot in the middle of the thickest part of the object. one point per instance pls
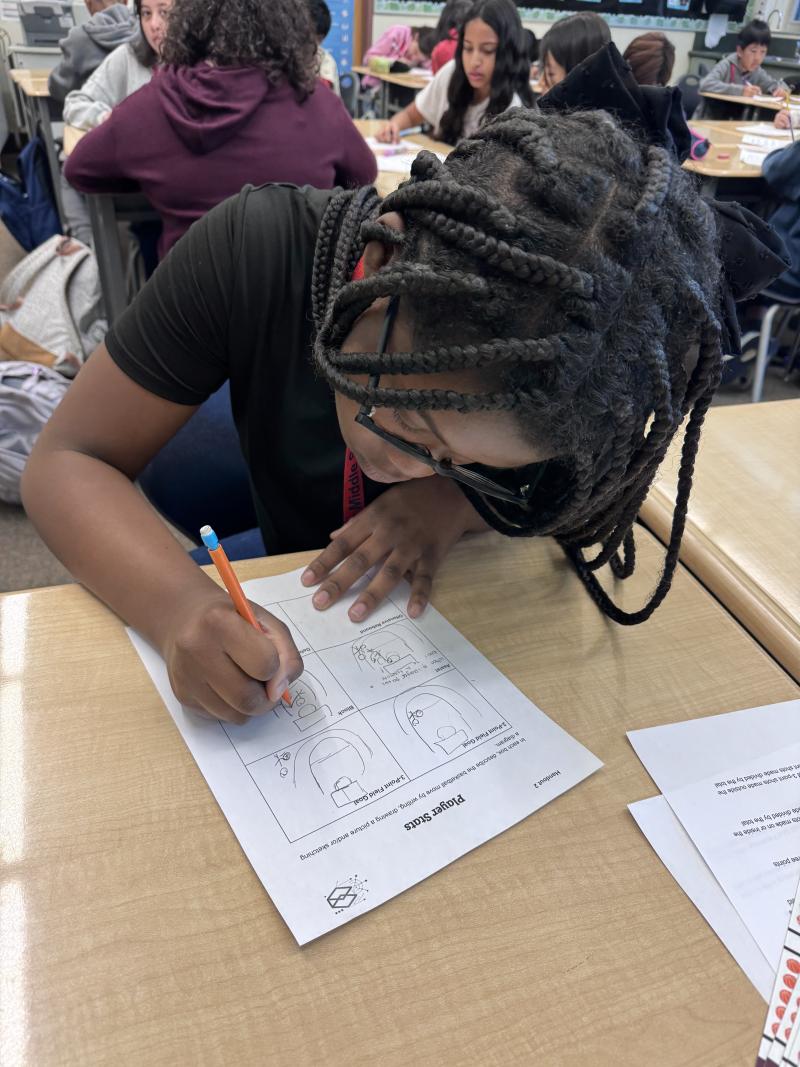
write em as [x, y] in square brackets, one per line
[231, 582]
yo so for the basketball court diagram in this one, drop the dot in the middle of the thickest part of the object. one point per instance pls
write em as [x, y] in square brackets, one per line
[442, 719]
[368, 715]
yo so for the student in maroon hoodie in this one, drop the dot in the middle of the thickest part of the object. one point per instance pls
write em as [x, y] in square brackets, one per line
[238, 101]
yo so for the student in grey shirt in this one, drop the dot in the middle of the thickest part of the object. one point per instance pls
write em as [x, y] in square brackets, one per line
[124, 70]
[86, 46]
[740, 73]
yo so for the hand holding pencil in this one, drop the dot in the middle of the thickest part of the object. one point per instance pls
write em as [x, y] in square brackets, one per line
[229, 663]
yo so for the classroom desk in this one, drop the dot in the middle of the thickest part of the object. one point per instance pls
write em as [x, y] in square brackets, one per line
[722, 159]
[742, 536]
[775, 103]
[33, 97]
[136, 931]
[405, 81]
[388, 181]
[71, 137]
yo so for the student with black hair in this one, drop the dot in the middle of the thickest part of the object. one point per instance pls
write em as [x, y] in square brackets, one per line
[489, 74]
[447, 30]
[568, 42]
[321, 18]
[510, 340]
[740, 73]
[531, 45]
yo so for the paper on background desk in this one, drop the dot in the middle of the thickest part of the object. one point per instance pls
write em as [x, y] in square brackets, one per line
[402, 749]
[765, 129]
[752, 157]
[746, 824]
[392, 161]
[765, 98]
[765, 144]
[684, 757]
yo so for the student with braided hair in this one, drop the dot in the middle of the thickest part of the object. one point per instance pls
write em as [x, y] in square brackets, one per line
[489, 73]
[534, 320]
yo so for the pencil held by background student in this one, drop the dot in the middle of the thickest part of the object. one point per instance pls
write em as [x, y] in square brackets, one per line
[740, 73]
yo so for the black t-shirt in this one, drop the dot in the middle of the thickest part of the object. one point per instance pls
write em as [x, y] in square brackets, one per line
[233, 300]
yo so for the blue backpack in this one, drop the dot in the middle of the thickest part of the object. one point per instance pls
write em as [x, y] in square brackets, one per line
[27, 206]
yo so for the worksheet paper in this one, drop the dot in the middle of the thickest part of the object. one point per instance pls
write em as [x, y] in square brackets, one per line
[691, 762]
[767, 144]
[402, 749]
[763, 98]
[784, 1001]
[765, 129]
[746, 825]
[791, 1056]
[397, 159]
[675, 849]
[752, 157]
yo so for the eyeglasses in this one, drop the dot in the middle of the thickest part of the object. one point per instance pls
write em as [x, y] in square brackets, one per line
[445, 468]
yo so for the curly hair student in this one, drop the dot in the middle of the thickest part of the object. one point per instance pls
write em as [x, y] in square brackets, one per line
[247, 33]
[237, 100]
[536, 318]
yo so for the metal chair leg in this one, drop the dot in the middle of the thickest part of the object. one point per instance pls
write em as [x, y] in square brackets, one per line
[762, 359]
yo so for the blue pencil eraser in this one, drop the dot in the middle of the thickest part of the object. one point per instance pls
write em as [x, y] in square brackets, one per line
[210, 539]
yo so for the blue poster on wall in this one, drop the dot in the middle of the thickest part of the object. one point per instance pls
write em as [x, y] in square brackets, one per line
[339, 41]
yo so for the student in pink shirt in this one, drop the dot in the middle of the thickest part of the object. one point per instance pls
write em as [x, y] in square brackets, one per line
[407, 44]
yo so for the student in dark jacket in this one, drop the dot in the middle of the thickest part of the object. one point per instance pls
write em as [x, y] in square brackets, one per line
[781, 172]
[86, 46]
[238, 102]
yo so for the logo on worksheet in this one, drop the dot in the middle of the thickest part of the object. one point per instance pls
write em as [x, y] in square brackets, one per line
[346, 893]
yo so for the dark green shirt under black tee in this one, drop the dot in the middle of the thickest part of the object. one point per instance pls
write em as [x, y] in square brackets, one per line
[233, 300]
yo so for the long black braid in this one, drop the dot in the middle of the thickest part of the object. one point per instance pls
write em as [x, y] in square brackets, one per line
[577, 267]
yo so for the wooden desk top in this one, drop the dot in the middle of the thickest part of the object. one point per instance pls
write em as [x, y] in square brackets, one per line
[31, 82]
[771, 103]
[136, 930]
[723, 159]
[742, 537]
[388, 181]
[407, 81]
[71, 137]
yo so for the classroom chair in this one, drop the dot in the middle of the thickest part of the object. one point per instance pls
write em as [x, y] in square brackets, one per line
[349, 89]
[759, 348]
[689, 86]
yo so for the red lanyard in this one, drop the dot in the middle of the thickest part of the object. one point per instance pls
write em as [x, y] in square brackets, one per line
[353, 488]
